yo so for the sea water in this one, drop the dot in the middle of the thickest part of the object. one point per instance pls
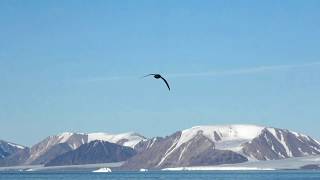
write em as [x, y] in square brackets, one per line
[162, 175]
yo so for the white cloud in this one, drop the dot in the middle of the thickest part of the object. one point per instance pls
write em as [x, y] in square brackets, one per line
[241, 71]
[110, 78]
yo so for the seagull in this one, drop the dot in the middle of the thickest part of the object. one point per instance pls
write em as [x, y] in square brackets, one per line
[158, 76]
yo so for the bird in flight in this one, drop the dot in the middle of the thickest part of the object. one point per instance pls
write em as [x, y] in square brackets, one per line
[158, 76]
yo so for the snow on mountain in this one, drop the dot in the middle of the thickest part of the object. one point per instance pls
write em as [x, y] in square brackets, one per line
[96, 151]
[237, 137]
[56, 145]
[63, 137]
[227, 137]
[196, 146]
[8, 148]
[225, 144]
[76, 139]
[126, 139]
[282, 164]
[16, 145]
[274, 143]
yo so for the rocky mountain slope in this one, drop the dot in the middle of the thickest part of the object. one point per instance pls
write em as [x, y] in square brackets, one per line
[213, 145]
[53, 146]
[8, 148]
[197, 146]
[92, 153]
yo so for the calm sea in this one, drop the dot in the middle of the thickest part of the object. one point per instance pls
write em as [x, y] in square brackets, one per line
[185, 175]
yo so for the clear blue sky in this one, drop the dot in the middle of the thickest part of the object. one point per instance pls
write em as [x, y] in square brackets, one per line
[76, 66]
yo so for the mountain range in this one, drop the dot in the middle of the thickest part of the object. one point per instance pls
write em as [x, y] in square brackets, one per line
[7, 149]
[54, 146]
[92, 153]
[197, 146]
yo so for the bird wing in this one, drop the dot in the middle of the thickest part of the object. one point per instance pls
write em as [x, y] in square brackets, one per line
[166, 82]
[149, 75]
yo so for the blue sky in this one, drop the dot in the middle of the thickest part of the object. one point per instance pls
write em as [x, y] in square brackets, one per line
[77, 66]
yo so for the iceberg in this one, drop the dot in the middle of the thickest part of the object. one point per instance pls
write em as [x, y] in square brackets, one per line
[102, 170]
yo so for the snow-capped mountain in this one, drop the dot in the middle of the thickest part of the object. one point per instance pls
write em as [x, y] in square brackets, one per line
[274, 143]
[125, 139]
[76, 139]
[197, 146]
[212, 145]
[54, 146]
[94, 152]
[8, 148]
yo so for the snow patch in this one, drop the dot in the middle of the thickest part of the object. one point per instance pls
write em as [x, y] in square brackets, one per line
[153, 141]
[232, 136]
[214, 168]
[186, 147]
[313, 159]
[273, 132]
[102, 170]
[169, 151]
[131, 138]
[16, 145]
[64, 137]
[283, 142]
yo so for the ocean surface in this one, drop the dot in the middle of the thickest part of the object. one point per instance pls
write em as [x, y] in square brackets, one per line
[183, 175]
